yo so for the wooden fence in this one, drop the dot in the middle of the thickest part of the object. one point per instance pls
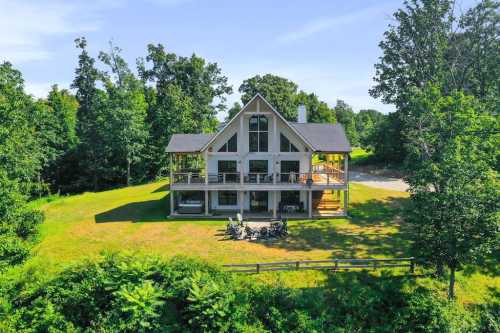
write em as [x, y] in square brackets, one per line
[330, 264]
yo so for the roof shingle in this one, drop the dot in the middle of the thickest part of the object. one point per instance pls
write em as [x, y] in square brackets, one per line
[324, 137]
[187, 143]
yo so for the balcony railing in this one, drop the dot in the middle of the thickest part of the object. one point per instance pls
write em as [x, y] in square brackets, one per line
[313, 178]
[224, 178]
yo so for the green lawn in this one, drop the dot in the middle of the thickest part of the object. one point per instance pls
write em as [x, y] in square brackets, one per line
[360, 156]
[134, 219]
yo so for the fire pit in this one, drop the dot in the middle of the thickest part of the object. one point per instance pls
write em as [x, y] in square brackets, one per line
[257, 230]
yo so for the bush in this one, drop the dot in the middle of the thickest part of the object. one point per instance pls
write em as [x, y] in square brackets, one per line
[144, 294]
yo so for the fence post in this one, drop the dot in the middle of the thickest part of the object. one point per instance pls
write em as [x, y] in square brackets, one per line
[258, 268]
[297, 265]
[412, 265]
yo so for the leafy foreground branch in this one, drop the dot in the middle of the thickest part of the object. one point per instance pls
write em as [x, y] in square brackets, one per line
[145, 294]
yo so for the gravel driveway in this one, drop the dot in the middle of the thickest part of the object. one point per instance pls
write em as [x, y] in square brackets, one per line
[388, 183]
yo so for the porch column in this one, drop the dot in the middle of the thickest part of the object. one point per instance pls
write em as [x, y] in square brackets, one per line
[206, 202]
[240, 150]
[275, 146]
[242, 194]
[310, 204]
[275, 198]
[346, 168]
[171, 202]
[206, 166]
[346, 200]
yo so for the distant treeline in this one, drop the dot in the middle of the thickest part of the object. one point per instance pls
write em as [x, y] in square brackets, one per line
[114, 128]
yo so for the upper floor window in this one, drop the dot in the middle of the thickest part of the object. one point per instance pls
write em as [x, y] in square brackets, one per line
[286, 145]
[231, 145]
[258, 134]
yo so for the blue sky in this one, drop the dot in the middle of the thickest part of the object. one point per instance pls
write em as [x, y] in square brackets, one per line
[327, 47]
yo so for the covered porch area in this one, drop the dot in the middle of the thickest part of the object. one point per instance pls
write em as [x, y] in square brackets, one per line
[263, 204]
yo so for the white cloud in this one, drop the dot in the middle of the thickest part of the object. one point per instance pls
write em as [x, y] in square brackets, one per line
[326, 23]
[26, 26]
[41, 89]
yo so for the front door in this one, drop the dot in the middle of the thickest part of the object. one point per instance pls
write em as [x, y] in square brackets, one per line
[258, 201]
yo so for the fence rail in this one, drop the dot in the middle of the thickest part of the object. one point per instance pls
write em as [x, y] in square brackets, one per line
[329, 264]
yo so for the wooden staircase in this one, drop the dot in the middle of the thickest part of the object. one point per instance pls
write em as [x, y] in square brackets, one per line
[325, 200]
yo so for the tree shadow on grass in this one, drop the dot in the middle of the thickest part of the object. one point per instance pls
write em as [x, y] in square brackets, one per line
[374, 230]
[163, 188]
[489, 265]
[143, 211]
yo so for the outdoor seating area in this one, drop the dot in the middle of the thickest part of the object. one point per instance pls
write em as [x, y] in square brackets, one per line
[253, 230]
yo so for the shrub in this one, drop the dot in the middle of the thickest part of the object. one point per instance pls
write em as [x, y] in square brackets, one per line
[144, 294]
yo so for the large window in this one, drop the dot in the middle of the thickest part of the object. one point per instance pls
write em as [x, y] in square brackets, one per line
[228, 198]
[231, 145]
[226, 166]
[228, 172]
[290, 171]
[258, 166]
[258, 134]
[290, 197]
[286, 145]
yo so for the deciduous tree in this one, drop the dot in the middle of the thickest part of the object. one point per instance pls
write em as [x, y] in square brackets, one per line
[454, 207]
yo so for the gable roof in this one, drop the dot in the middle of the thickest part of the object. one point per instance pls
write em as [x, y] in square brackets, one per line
[318, 137]
[243, 110]
[187, 143]
[324, 137]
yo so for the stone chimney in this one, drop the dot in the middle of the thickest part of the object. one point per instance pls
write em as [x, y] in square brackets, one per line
[302, 119]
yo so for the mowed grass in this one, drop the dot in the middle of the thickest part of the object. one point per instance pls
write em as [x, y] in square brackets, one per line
[134, 219]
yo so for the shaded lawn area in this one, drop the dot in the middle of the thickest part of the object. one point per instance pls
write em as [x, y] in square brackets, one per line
[134, 219]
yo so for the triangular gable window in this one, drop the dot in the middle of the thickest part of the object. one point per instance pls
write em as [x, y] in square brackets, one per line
[231, 145]
[286, 146]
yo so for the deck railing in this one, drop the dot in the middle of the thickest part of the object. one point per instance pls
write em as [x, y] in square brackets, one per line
[258, 178]
[224, 178]
[330, 264]
[306, 178]
[188, 178]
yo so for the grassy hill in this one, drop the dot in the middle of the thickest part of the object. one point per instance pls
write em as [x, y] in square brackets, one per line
[134, 219]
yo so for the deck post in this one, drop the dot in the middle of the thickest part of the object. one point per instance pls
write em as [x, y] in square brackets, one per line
[206, 202]
[171, 203]
[346, 168]
[346, 200]
[242, 194]
[275, 198]
[206, 167]
[309, 203]
[240, 151]
[171, 170]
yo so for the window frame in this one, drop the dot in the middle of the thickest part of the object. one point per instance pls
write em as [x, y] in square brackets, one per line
[256, 134]
[226, 147]
[224, 198]
[291, 148]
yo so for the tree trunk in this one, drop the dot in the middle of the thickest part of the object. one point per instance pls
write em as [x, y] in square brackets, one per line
[128, 172]
[440, 269]
[451, 289]
[96, 184]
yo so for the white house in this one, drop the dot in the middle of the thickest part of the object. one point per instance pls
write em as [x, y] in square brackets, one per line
[260, 164]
